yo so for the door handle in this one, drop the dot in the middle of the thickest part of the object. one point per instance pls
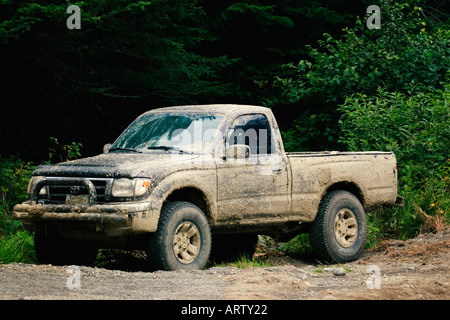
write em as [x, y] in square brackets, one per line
[276, 169]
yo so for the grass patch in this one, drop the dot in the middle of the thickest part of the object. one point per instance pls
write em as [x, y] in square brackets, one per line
[245, 263]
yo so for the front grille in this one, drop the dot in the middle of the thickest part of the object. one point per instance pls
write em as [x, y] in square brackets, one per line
[57, 193]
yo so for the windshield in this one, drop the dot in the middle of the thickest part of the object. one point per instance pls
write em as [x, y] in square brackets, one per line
[178, 132]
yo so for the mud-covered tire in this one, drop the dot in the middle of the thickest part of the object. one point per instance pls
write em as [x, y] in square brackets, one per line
[182, 240]
[50, 248]
[338, 234]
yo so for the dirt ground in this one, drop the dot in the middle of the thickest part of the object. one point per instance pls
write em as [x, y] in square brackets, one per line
[396, 270]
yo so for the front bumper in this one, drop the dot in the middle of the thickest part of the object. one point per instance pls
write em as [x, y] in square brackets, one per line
[114, 219]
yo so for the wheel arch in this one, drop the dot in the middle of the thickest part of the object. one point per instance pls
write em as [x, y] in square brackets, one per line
[349, 186]
[195, 196]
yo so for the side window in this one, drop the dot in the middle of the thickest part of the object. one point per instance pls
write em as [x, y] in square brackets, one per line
[252, 130]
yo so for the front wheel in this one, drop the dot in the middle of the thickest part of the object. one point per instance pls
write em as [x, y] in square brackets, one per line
[182, 240]
[338, 234]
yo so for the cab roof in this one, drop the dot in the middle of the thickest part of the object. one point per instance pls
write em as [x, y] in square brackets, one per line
[213, 108]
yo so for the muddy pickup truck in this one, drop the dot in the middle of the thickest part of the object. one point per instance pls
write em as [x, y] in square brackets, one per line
[193, 183]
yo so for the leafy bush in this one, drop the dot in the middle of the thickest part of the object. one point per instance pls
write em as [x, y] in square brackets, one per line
[16, 244]
[18, 247]
[297, 245]
[14, 177]
[417, 129]
[65, 152]
[404, 56]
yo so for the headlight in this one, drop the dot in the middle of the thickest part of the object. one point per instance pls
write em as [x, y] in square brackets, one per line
[124, 187]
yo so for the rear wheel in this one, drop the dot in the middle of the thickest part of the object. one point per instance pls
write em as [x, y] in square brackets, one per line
[182, 240]
[338, 234]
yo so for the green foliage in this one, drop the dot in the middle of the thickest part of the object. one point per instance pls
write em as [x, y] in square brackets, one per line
[148, 43]
[245, 262]
[18, 247]
[297, 245]
[417, 129]
[128, 57]
[261, 36]
[404, 56]
[65, 152]
[401, 56]
[16, 244]
[14, 176]
[426, 210]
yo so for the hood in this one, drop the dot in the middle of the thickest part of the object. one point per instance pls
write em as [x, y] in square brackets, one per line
[115, 165]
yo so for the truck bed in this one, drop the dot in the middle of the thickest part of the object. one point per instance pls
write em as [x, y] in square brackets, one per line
[371, 175]
[335, 153]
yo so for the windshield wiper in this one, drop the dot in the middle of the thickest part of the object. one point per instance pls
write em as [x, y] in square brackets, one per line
[167, 148]
[125, 149]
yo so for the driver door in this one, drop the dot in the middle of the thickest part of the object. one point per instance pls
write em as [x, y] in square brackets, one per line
[254, 185]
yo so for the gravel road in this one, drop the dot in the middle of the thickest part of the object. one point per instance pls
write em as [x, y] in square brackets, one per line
[413, 269]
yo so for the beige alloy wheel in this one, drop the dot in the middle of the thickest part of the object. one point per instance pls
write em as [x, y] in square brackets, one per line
[345, 228]
[339, 232]
[186, 242]
[182, 240]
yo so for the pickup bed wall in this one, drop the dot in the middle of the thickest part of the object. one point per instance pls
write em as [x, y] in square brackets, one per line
[371, 176]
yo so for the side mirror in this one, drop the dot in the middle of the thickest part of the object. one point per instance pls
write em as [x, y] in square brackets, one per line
[106, 147]
[238, 151]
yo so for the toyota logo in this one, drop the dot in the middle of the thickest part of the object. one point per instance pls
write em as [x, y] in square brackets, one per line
[74, 190]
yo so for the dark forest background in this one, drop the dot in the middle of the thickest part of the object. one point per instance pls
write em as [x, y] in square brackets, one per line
[128, 57]
[332, 83]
